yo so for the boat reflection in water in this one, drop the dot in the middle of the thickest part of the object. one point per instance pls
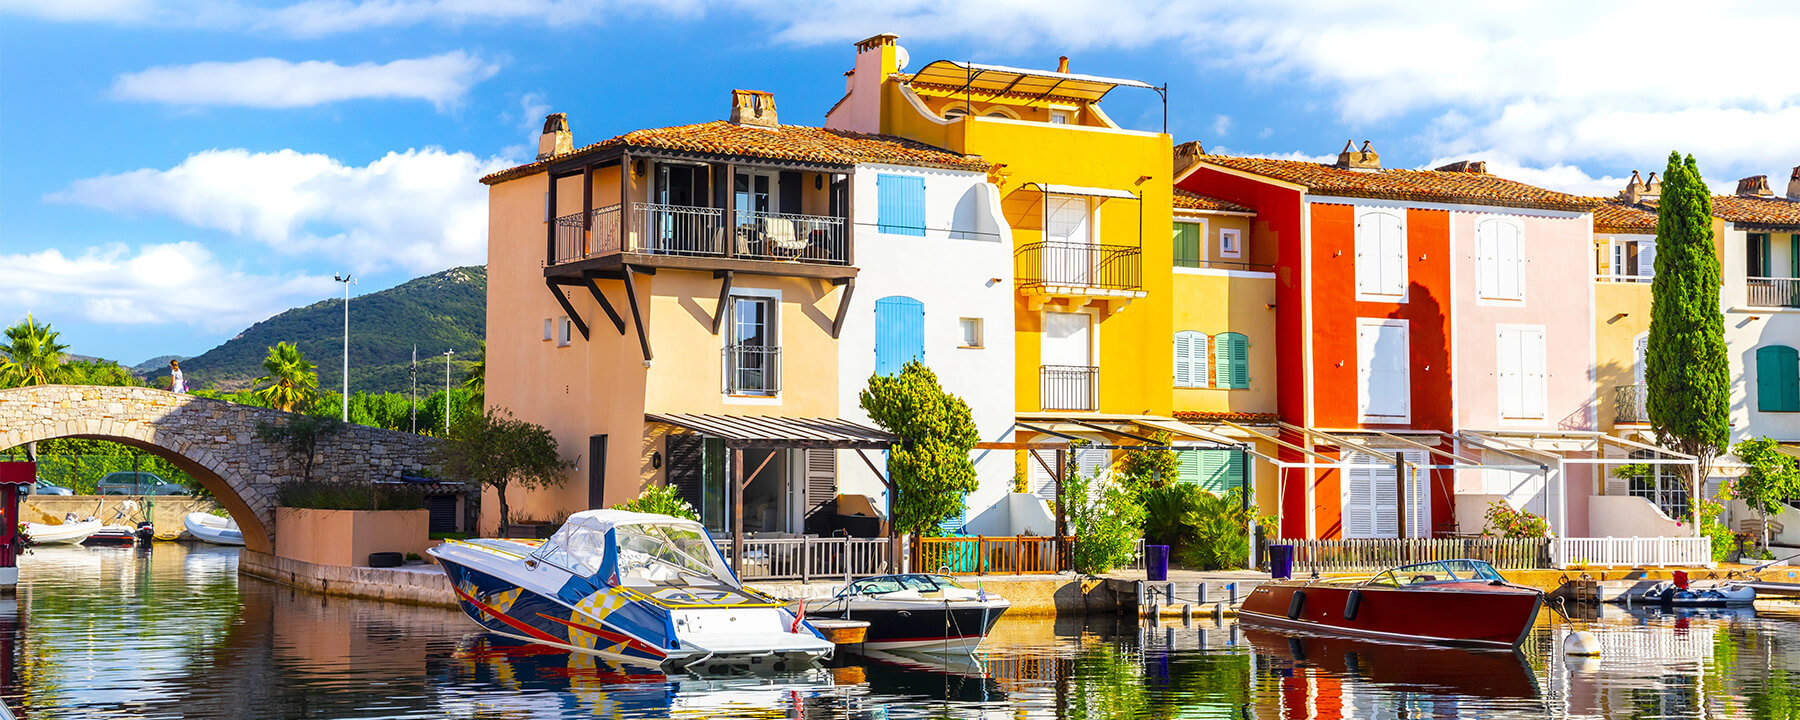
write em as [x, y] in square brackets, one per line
[957, 678]
[1418, 668]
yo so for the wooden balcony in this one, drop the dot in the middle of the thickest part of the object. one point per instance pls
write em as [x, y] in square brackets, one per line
[655, 235]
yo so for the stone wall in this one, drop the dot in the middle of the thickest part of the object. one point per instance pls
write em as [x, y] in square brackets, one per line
[212, 440]
[168, 510]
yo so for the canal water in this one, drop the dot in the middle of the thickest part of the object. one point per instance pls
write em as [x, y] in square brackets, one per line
[175, 632]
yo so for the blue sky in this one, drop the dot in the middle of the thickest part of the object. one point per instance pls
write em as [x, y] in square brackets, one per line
[172, 171]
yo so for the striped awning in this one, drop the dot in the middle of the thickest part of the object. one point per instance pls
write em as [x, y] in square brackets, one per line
[774, 431]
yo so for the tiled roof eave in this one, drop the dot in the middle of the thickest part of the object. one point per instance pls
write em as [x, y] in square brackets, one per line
[1452, 199]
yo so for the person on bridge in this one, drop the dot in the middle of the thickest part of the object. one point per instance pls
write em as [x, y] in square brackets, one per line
[177, 382]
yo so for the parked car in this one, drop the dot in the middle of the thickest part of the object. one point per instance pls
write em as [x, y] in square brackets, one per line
[43, 487]
[138, 483]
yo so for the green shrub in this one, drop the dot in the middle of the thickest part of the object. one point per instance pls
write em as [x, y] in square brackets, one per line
[1221, 532]
[662, 500]
[1166, 514]
[1107, 521]
[330, 495]
[1504, 521]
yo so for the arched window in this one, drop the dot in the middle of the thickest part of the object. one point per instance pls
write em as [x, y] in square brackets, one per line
[1231, 361]
[1190, 359]
[1777, 379]
[955, 111]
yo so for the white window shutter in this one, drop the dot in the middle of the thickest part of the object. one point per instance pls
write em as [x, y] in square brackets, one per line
[1368, 254]
[1487, 265]
[1646, 258]
[1510, 389]
[1043, 483]
[1393, 255]
[1509, 247]
[1383, 369]
[1532, 373]
[1184, 376]
[1359, 498]
[1199, 358]
[1418, 495]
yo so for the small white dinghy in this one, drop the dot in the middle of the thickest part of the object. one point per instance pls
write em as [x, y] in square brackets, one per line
[213, 529]
[68, 533]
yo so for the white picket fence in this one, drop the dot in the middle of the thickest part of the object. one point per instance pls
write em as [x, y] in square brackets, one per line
[805, 558]
[1370, 554]
[1632, 552]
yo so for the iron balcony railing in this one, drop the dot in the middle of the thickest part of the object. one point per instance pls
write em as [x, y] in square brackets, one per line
[1079, 264]
[1068, 387]
[1772, 292]
[1630, 404]
[752, 370]
[658, 229]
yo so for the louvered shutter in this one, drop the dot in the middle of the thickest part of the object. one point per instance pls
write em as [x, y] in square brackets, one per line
[1359, 498]
[1187, 244]
[1646, 258]
[1231, 361]
[899, 333]
[1386, 508]
[821, 490]
[1777, 379]
[900, 205]
[1184, 352]
[1043, 482]
[1213, 465]
[1094, 462]
[1418, 497]
[682, 462]
[1234, 468]
[1188, 466]
[1794, 255]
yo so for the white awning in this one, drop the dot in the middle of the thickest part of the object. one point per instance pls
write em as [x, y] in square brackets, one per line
[1002, 80]
[1084, 191]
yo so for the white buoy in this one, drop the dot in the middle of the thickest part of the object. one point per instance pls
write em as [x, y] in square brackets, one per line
[1581, 643]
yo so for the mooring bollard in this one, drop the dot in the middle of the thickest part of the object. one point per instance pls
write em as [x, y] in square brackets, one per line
[1201, 594]
[1169, 593]
[1187, 613]
[1140, 596]
[1231, 592]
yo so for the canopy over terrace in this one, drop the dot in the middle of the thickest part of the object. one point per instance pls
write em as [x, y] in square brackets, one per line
[995, 81]
[744, 432]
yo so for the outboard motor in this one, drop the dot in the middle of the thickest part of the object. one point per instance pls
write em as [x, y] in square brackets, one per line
[146, 532]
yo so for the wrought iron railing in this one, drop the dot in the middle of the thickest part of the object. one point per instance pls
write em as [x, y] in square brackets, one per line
[752, 370]
[1078, 264]
[1068, 387]
[658, 229]
[1630, 404]
[1772, 292]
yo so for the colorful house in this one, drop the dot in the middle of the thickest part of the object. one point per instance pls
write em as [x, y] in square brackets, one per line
[1758, 233]
[1415, 313]
[673, 304]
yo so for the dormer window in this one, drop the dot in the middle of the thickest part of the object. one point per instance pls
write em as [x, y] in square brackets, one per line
[1062, 117]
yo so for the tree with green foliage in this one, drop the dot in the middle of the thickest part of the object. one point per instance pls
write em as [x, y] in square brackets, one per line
[496, 450]
[299, 435]
[929, 473]
[293, 383]
[99, 372]
[661, 500]
[1150, 465]
[32, 355]
[475, 380]
[1686, 368]
[1106, 519]
[1771, 480]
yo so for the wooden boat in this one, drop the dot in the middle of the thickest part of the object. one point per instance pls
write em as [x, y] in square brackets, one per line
[918, 612]
[213, 529]
[1428, 669]
[72, 532]
[1448, 602]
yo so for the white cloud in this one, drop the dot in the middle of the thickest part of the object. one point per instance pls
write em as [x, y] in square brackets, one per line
[441, 80]
[422, 210]
[1221, 125]
[80, 10]
[167, 283]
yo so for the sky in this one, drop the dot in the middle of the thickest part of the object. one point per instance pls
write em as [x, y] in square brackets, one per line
[172, 171]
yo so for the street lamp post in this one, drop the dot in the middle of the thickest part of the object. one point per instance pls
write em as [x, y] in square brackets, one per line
[347, 280]
[414, 372]
[447, 354]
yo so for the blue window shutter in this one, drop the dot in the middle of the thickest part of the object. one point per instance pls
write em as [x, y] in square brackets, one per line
[1777, 379]
[901, 205]
[899, 333]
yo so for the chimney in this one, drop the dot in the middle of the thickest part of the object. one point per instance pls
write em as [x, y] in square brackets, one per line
[753, 107]
[1754, 186]
[1353, 159]
[1186, 154]
[878, 59]
[1793, 192]
[1652, 190]
[1633, 190]
[556, 139]
[1062, 64]
[1473, 167]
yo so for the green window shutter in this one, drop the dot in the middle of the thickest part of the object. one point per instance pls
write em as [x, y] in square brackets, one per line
[1231, 358]
[1187, 245]
[1188, 468]
[1234, 469]
[1777, 379]
[1212, 470]
[1794, 256]
[1762, 242]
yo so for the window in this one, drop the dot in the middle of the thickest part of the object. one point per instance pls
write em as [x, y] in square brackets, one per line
[955, 111]
[971, 332]
[1191, 359]
[1062, 117]
[753, 359]
[548, 332]
[1663, 486]
[1499, 259]
[1521, 373]
[1229, 244]
[1777, 379]
[1187, 244]
[900, 205]
[1231, 361]
[899, 333]
[1633, 260]
[1215, 471]
[1380, 255]
[1383, 363]
[1067, 218]
[563, 334]
[1757, 261]
[1371, 503]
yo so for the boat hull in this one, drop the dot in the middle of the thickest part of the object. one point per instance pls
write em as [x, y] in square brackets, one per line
[924, 627]
[212, 529]
[64, 534]
[1459, 614]
[1439, 670]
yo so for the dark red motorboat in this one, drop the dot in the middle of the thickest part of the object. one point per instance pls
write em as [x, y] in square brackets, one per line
[1447, 602]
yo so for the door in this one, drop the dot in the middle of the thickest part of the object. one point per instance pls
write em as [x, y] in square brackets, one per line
[1069, 256]
[1067, 374]
[677, 227]
[794, 504]
[1384, 371]
[755, 193]
[596, 471]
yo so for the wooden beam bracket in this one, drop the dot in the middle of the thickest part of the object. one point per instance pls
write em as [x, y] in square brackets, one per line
[837, 323]
[587, 278]
[724, 297]
[637, 310]
[574, 317]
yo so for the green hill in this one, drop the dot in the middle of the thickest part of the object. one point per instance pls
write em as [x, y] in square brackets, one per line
[446, 310]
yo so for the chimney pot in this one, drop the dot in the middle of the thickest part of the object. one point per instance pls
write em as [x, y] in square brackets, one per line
[1755, 186]
[1188, 153]
[753, 107]
[1062, 64]
[1364, 159]
[556, 139]
[1793, 192]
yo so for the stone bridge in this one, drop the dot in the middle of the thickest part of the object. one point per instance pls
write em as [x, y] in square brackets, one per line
[212, 440]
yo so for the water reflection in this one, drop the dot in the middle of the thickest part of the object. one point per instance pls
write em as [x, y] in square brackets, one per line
[175, 632]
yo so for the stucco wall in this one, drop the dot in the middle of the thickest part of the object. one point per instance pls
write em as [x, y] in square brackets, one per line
[1629, 516]
[1621, 314]
[1219, 301]
[1749, 328]
[347, 537]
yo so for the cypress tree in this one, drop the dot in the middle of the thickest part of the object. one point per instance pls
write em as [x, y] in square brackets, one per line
[1686, 366]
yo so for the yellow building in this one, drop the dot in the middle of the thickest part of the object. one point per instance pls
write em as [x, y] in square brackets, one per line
[1624, 265]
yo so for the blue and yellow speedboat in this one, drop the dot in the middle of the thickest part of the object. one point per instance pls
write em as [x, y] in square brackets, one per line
[629, 587]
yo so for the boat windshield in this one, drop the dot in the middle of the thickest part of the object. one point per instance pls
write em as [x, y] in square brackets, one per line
[895, 583]
[1438, 571]
[669, 554]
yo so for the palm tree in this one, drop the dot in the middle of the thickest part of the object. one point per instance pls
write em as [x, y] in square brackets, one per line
[293, 382]
[33, 356]
[476, 379]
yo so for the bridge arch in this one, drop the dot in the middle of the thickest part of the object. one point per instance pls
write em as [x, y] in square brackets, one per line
[212, 440]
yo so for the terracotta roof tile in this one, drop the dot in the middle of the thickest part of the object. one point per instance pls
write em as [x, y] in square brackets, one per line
[1236, 417]
[1195, 201]
[1416, 185]
[1615, 215]
[790, 142]
[1757, 210]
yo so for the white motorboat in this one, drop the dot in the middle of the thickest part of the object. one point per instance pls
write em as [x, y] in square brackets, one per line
[1724, 594]
[636, 588]
[917, 612]
[213, 529]
[70, 532]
